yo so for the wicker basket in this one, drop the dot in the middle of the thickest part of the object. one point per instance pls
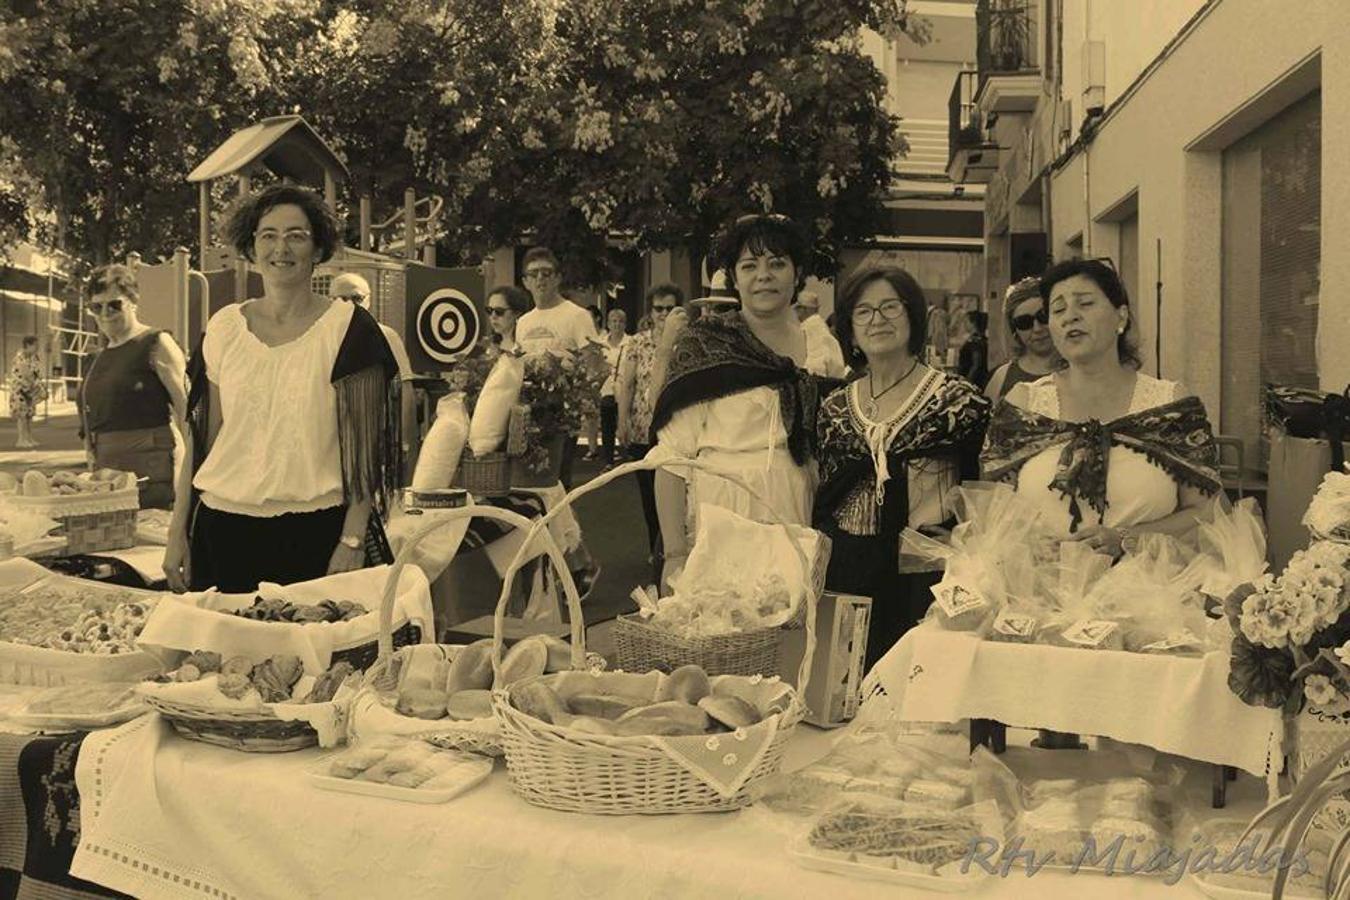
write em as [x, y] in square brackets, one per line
[251, 732]
[639, 646]
[89, 522]
[477, 735]
[563, 769]
[484, 476]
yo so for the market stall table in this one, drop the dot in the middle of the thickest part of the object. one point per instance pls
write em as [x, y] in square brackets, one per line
[164, 817]
[1176, 704]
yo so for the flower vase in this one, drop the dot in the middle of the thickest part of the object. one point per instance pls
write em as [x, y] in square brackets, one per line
[1315, 734]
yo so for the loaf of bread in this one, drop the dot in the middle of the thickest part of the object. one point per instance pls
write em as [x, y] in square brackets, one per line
[471, 669]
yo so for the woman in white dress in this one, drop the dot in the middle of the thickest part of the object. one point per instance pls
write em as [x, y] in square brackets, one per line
[740, 392]
[1105, 451]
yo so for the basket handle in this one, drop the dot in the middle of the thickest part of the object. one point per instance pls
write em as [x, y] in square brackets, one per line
[444, 517]
[574, 601]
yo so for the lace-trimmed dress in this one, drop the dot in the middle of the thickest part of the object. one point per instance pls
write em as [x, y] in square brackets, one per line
[1137, 491]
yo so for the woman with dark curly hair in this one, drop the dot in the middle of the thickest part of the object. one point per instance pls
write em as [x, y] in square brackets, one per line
[295, 437]
[893, 444]
[739, 390]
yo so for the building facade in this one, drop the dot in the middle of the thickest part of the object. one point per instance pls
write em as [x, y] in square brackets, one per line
[1191, 142]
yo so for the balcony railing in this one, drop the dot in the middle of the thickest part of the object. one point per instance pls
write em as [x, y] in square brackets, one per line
[1005, 38]
[964, 128]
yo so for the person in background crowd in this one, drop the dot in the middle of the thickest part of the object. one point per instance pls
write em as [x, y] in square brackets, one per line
[26, 390]
[591, 426]
[742, 392]
[134, 397]
[355, 289]
[1033, 352]
[1103, 450]
[616, 341]
[505, 305]
[893, 443]
[973, 361]
[634, 398]
[808, 313]
[555, 323]
[293, 439]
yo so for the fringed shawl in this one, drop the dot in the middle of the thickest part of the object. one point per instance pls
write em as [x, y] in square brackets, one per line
[947, 419]
[720, 356]
[1176, 437]
[365, 376]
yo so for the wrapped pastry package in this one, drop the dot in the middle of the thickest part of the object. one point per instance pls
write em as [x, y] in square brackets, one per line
[1153, 592]
[1234, 542]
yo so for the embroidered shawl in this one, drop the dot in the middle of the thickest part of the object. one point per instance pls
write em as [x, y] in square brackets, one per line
[864, 469]
[719, 356]
[1176, 437]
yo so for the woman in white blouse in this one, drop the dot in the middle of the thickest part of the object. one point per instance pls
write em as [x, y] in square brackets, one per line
[294, 443]
[740, 391]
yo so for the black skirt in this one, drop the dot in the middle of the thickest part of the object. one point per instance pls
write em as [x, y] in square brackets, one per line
[233, 553]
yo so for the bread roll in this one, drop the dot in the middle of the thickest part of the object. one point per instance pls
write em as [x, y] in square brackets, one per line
[687, 683]
[559, 654]
[687, 715]
[470, 705]
[589, 725]
[540, 701]
[471, 669]
[526, 659]
[422, 703]
[600, 706]
[732, 712]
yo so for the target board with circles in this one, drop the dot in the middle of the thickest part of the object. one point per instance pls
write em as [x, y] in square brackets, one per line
[447, 325]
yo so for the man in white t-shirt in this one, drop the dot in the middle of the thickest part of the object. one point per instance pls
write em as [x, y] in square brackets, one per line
[555, 323]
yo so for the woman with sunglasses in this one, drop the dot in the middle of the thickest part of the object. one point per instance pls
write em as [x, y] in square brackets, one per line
[134, 395]
[295, 422]
[505, 306]
[893, 443]
[739, 392]
[1034, 354]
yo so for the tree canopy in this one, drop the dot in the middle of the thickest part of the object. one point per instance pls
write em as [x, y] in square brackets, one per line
[569, 122]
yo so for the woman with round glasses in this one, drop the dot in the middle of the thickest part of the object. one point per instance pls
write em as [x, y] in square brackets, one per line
[134, 395]
[893, 443]
[295, 425]
[739, 392]
[1034, 354]
[505, 306]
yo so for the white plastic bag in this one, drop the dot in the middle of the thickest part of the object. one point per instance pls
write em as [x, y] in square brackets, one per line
[492, 413]
[439, 458]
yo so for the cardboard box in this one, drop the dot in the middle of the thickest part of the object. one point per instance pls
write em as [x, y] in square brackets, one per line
[835, 686]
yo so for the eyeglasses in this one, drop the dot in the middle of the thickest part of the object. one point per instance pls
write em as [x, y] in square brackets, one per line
[496, 311]
[890, 311]
[294, 237]
[662, 307]
[1025, 322]
[537, 274]
[96, 308]
[353, 298]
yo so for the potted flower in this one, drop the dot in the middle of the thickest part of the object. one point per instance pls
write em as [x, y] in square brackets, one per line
[560, 390]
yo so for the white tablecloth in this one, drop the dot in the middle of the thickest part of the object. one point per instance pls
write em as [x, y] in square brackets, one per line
[165, 817]
[1176, 704]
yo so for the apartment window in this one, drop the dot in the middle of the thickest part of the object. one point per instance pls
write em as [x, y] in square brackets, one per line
[1272, 193]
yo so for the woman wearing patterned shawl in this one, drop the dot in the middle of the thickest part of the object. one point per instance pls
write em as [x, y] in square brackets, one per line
[293, 447]
[893, 443]
[1103, 449]
[738, 391]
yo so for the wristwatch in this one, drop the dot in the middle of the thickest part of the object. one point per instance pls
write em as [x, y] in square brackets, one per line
[350, 541]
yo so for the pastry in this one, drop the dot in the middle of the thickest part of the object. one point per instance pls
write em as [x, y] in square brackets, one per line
[422, 703]
[540, 701]
[687, 683]
[237, 665]
[600, 706]
[188, 672]
[526, 659]
[327, 684]
[471, 669]
[275, 676]
[206, 661]
[234, 685]
[693, 719]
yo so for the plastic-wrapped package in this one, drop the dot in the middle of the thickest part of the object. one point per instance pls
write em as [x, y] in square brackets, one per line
[1154, 594]
[1234, 543]
[741, 575]
[492, 411]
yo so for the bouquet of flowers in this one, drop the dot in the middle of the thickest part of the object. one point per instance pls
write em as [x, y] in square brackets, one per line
[1291, 634]
[470, 372]
[561, 389]
[1328, 514]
